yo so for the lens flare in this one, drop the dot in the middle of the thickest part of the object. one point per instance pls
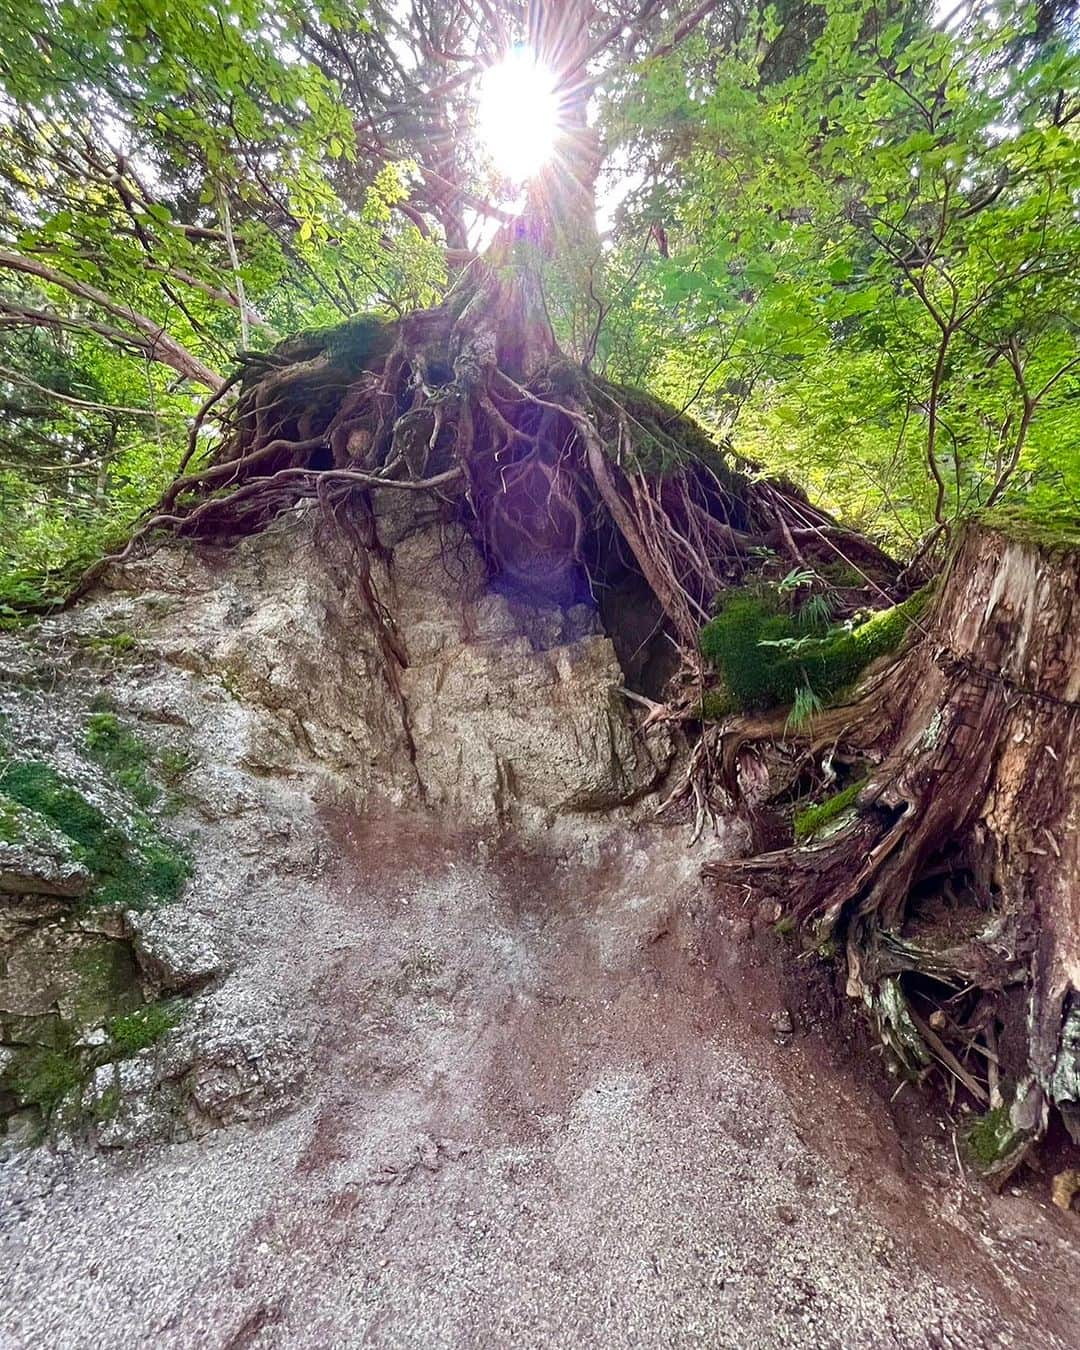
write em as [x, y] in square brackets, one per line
[517, 115]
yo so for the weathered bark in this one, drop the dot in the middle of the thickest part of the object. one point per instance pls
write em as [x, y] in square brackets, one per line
[957, 876]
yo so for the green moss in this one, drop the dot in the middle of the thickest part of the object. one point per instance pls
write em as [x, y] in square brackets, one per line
[231, 684]
[840, 574]
[348, 345]
[165, 868]
[122, 753]
[129, 872]
[1051, 530]
[40, 788]
[732, 643]
[992, 1137]
[353, 343]
[108, 981]
[43, 1076]
[107, 1105]
[716, 704]
[766, 658]
[129, 759]
[11, 817]
[134, 1031]
[112, 644]
[812, 819]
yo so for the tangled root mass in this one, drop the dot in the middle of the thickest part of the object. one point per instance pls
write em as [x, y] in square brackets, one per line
[565, 479]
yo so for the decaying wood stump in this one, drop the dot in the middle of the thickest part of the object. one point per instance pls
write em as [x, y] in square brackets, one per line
[953, 884]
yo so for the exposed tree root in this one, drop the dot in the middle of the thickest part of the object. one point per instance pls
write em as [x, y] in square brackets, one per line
[953, 883]
[565, 479]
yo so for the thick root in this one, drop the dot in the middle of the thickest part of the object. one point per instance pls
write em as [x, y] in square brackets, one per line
[567, 481]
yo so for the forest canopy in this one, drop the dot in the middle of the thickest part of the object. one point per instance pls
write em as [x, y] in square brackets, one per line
[841, 235]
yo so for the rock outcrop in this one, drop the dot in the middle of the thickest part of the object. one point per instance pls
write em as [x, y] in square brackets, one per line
[246, 691]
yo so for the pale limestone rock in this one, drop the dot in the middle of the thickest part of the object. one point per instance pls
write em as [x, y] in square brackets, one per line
[263, 663]
[173, 949]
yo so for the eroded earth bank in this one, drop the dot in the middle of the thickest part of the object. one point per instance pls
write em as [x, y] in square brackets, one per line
[338, 1011]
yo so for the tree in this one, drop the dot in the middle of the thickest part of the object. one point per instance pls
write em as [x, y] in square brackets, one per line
[877, 249]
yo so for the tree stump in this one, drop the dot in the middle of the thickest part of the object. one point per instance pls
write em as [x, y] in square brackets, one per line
[953, 882]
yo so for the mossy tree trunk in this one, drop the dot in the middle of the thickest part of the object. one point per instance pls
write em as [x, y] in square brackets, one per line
[953, 883]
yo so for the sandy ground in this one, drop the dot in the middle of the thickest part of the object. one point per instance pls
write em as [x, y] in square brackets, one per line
[534, 1118]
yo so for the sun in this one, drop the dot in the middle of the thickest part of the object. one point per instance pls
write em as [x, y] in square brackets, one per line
[517, 115]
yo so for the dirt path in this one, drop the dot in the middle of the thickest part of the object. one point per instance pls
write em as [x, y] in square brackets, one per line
[533, 1119]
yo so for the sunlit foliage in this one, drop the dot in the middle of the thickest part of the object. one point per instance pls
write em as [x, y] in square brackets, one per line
[870, 261]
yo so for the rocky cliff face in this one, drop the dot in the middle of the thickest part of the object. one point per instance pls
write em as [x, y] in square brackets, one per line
[178, 738]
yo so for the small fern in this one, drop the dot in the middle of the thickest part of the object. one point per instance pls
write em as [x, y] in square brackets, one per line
[817, 613]
[796, 578]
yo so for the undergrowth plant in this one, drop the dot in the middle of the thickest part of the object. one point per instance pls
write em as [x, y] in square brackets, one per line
[132, 863]
[770, 656]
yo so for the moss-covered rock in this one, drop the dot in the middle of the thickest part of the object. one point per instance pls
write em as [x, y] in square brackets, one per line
[36, 858]
[43, 1076]
[48, 1072]
[111, 644]
[131, 863]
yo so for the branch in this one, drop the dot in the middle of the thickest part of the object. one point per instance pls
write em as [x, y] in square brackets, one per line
[685, 28]
[17, 377]
[160, 346]
[467, 198]
[39, 318]
[215, 293]
[1030, 403]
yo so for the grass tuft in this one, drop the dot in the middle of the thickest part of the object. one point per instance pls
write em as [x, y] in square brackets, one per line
[134, 1031]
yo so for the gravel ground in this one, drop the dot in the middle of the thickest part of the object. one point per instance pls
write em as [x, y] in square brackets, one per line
[533, 1118]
